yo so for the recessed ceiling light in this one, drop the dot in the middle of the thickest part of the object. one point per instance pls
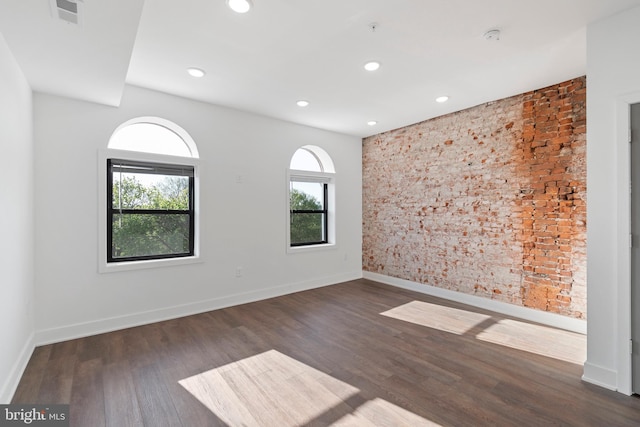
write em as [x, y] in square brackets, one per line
[442, 99]
[372, 65]
[372, 123]
[302, 103]
[240, 6]
[195, 72]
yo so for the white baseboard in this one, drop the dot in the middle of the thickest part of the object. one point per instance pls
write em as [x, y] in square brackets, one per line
[79, 330]
[600, 376]
[543, 317]
[10, 385]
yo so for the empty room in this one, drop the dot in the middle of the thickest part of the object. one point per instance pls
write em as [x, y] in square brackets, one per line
[314, 213]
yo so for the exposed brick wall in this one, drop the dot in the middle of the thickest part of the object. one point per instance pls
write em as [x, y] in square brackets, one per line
[487, 201]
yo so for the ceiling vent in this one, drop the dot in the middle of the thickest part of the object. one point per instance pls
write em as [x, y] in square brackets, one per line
[69, 11]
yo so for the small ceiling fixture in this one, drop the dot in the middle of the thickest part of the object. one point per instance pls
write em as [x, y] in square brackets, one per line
[195, 72]
[372, 65]
[240, 6]
[442, 99]
[372, 123]
[302, 103]
[492, 35]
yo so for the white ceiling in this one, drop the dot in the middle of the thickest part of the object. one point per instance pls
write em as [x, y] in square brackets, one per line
[286, 50]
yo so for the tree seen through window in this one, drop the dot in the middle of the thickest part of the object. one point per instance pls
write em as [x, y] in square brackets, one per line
[151, 211]
[308, 214]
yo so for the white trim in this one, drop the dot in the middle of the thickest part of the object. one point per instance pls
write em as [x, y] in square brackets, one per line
[113, 267]
[310, 176]
[79, 330]
[599, 376]
[311, 248]
[623, 380]
[525, 313]
[307, 176]
[326, 162]
[103, 266]
[10, 385]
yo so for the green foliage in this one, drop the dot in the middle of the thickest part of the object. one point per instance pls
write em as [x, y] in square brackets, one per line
[305, 227]
[301, 200]
[150, 234]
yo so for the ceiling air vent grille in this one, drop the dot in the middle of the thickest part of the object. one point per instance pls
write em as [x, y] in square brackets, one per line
[67, 10]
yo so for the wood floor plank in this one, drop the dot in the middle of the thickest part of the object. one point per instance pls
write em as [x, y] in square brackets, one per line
[154, 400]
[137, 351]
[29, 386]
[213, 391]
[120, 400]
[354, 354]
[57, 380]
[86, 405]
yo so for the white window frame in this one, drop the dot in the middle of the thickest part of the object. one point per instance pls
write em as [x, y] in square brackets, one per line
[103, 265]
[320, 177]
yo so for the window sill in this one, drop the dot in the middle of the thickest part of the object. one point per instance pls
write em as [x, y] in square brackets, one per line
[310, 248]
[141, 265]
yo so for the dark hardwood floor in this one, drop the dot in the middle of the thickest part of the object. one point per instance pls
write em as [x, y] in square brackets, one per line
[327, 356]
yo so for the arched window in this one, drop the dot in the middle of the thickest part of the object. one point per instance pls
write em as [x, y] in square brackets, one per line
[153, 135]
[313, 159]
[311, 195]
[150, 183]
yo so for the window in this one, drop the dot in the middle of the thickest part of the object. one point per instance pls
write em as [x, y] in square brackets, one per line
[153, 135]
[149, 198]
[308, 212]
[311, 187]
[150, 213]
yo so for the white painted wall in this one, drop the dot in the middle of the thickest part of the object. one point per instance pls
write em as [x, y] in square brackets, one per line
[242, 224]
[613, 80]
[16, 217]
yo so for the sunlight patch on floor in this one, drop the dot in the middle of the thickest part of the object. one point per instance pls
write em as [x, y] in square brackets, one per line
[378, 412]
[538, 339]
[533, 338]
[272, 389]
[436, 316]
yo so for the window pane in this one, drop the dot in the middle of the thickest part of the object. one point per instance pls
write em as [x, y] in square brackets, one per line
[149, 138]
[150, 191]
[307, 228]
[304, 160]
[136, 235]
[306, 195]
